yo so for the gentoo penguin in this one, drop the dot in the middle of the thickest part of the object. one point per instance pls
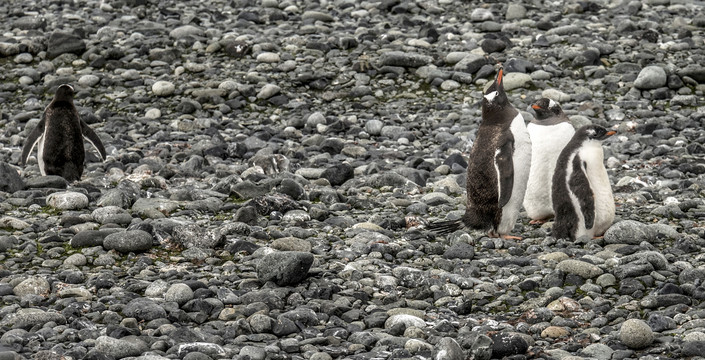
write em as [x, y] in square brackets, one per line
[498, 167]
[582, 195]
[549, 131]
[59, 138]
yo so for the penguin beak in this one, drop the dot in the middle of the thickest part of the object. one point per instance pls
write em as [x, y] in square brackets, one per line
[535, 107]
[499, 76]
[611, 132]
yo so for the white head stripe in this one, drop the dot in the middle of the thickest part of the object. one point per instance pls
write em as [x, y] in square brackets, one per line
[551, 103]
[491, 96]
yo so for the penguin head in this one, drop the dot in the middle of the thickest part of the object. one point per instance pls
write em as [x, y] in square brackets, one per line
[596, 132]
[546, 108]
[65, 92]
[495, 98]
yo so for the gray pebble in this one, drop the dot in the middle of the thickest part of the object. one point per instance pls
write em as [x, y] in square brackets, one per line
[636, 334]
[651, 77]
[128, 241]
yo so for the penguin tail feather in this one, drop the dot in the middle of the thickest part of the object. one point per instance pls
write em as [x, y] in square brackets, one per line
[445, 227]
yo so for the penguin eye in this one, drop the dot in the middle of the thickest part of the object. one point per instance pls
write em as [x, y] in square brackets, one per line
[490, 96]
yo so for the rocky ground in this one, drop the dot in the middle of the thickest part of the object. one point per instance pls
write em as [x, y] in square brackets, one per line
[272, 163]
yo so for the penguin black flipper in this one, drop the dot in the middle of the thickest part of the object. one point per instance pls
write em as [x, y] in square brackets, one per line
[505, 170]
[32, 140]
[580, 186]
[93, 138]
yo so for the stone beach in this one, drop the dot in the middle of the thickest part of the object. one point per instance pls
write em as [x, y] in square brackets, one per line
[272, 165]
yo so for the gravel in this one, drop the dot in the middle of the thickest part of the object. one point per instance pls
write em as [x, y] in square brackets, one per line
[271, 166]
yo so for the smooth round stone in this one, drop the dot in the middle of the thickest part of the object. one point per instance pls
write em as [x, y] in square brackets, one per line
[186, 30]
[131, 74]
[449, 85]
[25, 80]
[315, 119]
[374, 127]
[316, 15]
[153, 113]
[88, 80]
[555, 94]
[407, 320]
[67, 200]
[163, 88]
[156, 289]
[651, 77]
[636, 334]
[321, 356]
[583, 269]
[515, 11]
[253, 352]
[555, 332]
[516, 80]
[34, 285]
[77, 259]
[454, 57]
[291, 244]
[108, 214]
[268, 91]
[24, 58]
[228, 85]
[481, 14]
[268, 57]
[179, 293]
[128, 241]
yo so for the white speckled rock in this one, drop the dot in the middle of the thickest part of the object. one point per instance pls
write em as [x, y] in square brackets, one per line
[636, 334]
[163, 88]
[650, 77]
[268, 91]
[268, 57]
[516, 80]
[407, 320]
[88, 80]
[68, 200]
[555, 94]
[179, 293]
[34, 285]
[153, 113]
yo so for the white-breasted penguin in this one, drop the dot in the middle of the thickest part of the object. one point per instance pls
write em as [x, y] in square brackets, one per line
[582, 194]
[59, 138]
[498, 167]
[550, 131]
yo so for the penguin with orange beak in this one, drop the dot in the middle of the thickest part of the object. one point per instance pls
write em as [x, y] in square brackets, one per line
[550, 131]
[498, 168]
[581, 190]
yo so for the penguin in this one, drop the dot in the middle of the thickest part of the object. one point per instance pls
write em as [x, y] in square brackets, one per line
[582, 195]
[498, 168]
[59, 138]
[549, 131]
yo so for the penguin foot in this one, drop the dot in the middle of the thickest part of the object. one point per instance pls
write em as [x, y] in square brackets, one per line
[511, 237]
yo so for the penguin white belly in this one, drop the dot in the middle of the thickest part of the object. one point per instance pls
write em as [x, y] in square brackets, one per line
[521, 159]
[546, 145]
[40, 154]
[593, 157]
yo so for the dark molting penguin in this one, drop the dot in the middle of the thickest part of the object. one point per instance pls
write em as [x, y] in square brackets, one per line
[550, 131]
[59, 138]
[498, 167]
[582, 195]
